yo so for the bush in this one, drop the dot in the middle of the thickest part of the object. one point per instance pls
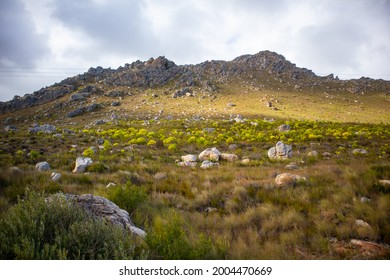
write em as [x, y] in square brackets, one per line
[128, 196]
[36, 228]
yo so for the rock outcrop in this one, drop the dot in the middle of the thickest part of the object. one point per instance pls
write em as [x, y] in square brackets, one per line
[81, 164]
[280, 151]
[102, 208]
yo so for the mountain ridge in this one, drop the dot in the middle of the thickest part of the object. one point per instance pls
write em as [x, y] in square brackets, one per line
[262, 69]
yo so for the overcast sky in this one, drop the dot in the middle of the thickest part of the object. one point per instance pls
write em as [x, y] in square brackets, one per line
[45, 41]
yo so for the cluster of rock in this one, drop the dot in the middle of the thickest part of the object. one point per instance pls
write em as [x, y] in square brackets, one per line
[280, 151]
[210, 157]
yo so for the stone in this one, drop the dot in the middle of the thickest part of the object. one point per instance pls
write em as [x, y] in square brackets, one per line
[42, 166]
[361, 223]
[230, 104]
[210, 154]
[115, 103]
[292, 166]
[160, 176]
[111, 184]
[365, 199]
[9, 128]
[92, 107]
[208, 164]
[81, 164]
[189, 158]
[77, 97]
[288, 180]
[362, 152]
[284, 127]
[116, 93]
[326, 155]
[228, 157]
[45, 128]
[75, 112]
[55, 176]
[210, 209]
[245, 161]
[280, 151]
[312, 154]
[102, 208]
[385, 183]
[187, 164]
[239, 119]
[232, 147]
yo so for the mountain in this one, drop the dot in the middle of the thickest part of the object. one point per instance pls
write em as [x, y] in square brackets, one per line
[265, 69]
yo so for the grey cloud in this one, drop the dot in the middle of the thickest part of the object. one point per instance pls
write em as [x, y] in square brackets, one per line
[20, 44]
[115, 26]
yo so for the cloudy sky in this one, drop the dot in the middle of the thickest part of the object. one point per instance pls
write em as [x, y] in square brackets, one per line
[45, 41]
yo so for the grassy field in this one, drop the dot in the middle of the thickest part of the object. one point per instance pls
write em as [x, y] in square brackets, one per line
[233, 211]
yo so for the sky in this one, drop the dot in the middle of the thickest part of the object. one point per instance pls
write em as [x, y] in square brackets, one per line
[45, 41]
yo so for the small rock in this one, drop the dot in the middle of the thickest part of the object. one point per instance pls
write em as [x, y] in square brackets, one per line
[210, 209]
[115, 103]
[232, 147]
[81, 164]
[187, 164]
[312, 154]
[326, 155]
[284, 127]
[55, 176]
[208, 164]
[288, 180]
[292, 166]
[239, 119]
[385, 183]
[245, 161]
[365, 199]
[160, 176]
[230, 104]
[45, 128]
[42, 166]
[189, 158]
[111, 184]
[210, 154]
[228, 157]
[362, 223]
[359, 152]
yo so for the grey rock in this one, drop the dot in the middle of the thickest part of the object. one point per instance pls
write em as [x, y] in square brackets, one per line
[365, 199]
[284, 127]
[115, 103]
[210, 154]
[280, 151]
[230, 104]
[187, 164]
[9, 128]
[208, 164]
[116, 93]
[77, 97]
[76, 112]
[102, 208]
[292, 166]
[361, 223]
[359, 152]
[245, 161]
[232, 147]
[45, 128]
[92, 107]
[385, 183]
[189, 158]
[288, 180]
[312, 154]
[81, 164]
[228, 157]
[42, 166]
[111, 184]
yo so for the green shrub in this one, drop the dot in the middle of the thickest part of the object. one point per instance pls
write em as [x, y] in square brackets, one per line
[36, 228]
[127, 196]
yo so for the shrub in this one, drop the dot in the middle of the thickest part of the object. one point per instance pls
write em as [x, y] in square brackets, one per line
[56, 229]
[151, 143]
[88, 152]
[127, 196]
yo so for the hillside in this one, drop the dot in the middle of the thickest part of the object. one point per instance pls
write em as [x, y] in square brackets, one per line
[253, 158]
[261, 84]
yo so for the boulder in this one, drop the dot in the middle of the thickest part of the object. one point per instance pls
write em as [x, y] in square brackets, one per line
[75, 112]
[189, 158]
[284, 127]
[102, 208]
[77, 97]
[55, 176]
[210, 154]
[228, 157]
[208, 164]
[245, 161]
[81, 164]
[288, 180]
[280, 151]
[42, 166]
